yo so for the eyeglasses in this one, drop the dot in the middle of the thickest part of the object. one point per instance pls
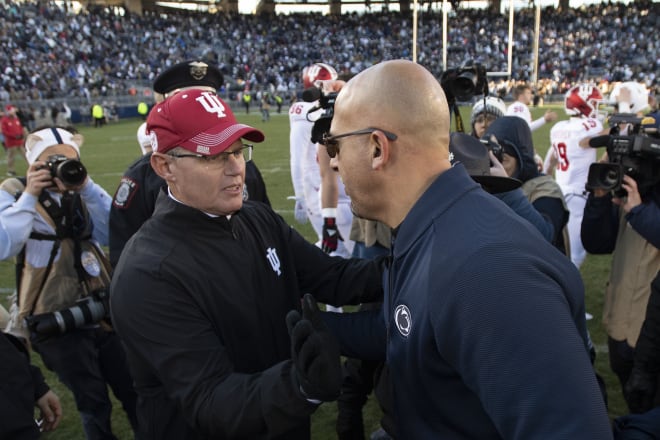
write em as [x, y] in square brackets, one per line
[488, 118]
[331, 143]
[244, 152]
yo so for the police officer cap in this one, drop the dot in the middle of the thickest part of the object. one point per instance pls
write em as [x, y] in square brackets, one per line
[188, 74]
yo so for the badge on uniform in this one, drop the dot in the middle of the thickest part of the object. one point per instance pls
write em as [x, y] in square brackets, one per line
[90, 263]
[125, 192]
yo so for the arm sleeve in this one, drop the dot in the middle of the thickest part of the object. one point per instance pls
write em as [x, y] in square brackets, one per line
[538, 123]
[600, 225]
[297, 143]
[517, 201]
[361, 335]
[16, 221]
[553, 212]
[503, 340]
[645, 219]
[98, 203]
[647, 350]
[40, 386]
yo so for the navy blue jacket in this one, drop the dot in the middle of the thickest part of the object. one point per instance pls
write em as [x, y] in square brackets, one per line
[486, 336]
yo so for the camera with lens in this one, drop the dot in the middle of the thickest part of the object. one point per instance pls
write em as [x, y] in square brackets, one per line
[321, 114]
[464, 82]
[70, 171]
[493, 145]
[88, 310]
[636, 154]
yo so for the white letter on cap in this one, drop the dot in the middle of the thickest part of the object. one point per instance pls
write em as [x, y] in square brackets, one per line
[212, 103]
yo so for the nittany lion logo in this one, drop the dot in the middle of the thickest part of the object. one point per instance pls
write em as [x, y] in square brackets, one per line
[403, 320]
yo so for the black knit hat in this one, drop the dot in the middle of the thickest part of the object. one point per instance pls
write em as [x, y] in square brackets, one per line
[188, 74]
[473, 154]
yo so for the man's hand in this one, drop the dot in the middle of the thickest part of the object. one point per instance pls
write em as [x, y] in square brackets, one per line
[639, 391]
[550, 116]
[331, 235]
[314, 352]
[38, 178]
[51, 411]
[300, 211]
[632, 199]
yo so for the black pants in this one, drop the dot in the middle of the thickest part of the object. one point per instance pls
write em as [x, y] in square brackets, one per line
[87, 361]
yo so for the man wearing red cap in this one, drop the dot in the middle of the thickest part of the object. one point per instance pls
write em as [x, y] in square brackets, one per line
[201, 292]
[14, 133]
[135, 197]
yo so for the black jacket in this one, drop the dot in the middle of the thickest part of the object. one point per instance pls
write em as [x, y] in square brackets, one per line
[20, 387]
[200, 304]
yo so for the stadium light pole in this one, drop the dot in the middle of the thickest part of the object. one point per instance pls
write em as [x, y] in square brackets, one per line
[414, 48]
[444, 35]
[537, 34]
[510, 54]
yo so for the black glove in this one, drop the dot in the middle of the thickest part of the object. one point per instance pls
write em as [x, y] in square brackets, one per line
[314, 352]
[331, 235]
[639, 391]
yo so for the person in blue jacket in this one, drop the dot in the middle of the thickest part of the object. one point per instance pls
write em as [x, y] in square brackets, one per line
[482, 325]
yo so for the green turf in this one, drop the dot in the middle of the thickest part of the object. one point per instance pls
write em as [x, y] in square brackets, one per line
[110, 149]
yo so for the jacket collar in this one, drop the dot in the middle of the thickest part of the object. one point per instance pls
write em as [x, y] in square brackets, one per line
[445, 190]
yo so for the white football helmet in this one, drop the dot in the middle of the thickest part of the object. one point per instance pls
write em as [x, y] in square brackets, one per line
[639, 97]
[317, 71]
[583, 100]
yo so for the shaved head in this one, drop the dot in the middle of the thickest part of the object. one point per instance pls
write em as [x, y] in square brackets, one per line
[399, 95]
[387, 170]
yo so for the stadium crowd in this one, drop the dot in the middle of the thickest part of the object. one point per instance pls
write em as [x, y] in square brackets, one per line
[47, 51]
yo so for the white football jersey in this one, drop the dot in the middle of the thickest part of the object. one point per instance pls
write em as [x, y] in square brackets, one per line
[573, 161]
[305, 173]
[521, 110]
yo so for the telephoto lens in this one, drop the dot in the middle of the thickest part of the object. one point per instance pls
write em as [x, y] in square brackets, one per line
[88, 310]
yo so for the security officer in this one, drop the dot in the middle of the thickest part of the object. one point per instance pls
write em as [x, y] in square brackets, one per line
[135, 197]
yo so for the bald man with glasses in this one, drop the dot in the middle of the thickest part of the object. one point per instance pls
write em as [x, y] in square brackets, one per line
[483, 320]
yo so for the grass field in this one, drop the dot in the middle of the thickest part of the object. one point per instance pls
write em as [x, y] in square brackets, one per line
[110, 149]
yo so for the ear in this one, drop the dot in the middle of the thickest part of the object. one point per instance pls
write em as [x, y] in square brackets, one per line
[161, 165]
[380, 150]
[78, 139]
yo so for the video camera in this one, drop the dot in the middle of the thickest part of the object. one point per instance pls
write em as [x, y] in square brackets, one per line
[88, 310]
[636, 154]
[70, 171]
[465, 82]
[326, 102]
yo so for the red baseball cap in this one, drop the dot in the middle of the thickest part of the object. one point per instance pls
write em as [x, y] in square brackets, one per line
[9, 108]
[198, 121]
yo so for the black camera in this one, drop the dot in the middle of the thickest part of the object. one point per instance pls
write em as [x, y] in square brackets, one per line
[493, 145]
[465, 82]
[636, 154]
[70, 171]
[89, 310]
[322, 121]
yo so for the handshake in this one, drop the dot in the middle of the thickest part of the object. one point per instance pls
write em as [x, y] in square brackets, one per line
[314, 352]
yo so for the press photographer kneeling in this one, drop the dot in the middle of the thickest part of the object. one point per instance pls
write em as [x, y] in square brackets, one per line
[54, 221]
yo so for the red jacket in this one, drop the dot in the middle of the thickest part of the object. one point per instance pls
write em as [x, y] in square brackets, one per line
[12, 130]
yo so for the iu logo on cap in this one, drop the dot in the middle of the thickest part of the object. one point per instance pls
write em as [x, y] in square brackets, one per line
[403, 320]
[212, 103]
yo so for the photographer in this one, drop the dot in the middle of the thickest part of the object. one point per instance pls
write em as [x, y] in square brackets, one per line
[629, 226]
[53, 222]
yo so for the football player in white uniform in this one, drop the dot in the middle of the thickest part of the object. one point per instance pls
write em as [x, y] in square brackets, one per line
[522, 94]
[570, 156]
[330, 216]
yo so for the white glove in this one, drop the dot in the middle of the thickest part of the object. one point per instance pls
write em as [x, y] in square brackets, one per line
[300, 211]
